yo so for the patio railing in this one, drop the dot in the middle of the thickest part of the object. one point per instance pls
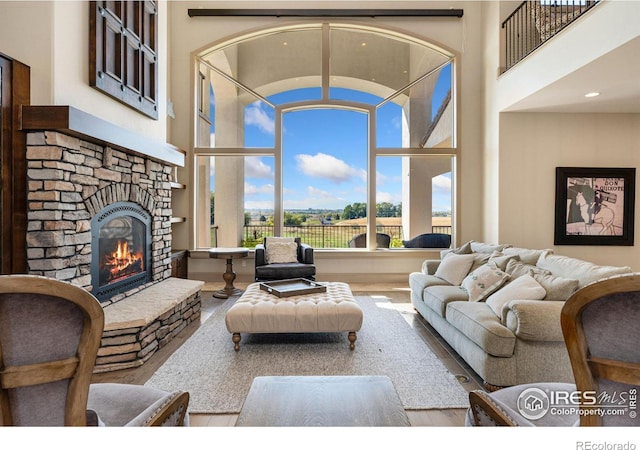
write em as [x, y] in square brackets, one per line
[326, 236]
[534, 22]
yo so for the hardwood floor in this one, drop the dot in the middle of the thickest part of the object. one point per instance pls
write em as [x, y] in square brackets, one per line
[400, 298]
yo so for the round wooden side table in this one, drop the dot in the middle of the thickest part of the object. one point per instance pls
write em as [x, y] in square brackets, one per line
[228, 253]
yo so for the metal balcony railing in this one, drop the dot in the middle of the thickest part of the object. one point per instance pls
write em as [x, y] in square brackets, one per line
[534, 22]
[326, 236]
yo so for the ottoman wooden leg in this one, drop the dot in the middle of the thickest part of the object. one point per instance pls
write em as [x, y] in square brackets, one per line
[352, 340]
[236, 341]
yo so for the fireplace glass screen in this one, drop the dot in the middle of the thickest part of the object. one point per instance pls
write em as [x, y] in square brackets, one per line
[121, 249]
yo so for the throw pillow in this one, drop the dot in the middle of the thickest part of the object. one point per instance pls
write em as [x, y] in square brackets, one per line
[483, 247]
[281, 252]
[464, 249]
[558, 288]
[501, 260]
[453, 268]
[527, 255]
[517, 268]
[483, 281]
[270, 239]
[524, 287]
[479, 259]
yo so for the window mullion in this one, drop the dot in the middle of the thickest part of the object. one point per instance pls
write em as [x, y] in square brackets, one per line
[278, 208]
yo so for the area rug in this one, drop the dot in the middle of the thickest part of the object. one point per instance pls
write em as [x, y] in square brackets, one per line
[218, 378]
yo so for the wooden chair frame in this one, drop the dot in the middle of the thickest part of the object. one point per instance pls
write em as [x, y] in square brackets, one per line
[78, 370]
[586, 368]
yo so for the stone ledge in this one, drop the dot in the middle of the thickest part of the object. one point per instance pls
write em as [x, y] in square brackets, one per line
[138, 326]
[144, 307]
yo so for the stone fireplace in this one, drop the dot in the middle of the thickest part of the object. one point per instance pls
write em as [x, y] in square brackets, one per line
[99, 217]
[80, 195]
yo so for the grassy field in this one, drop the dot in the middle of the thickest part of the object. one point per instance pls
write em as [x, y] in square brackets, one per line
[338, 234]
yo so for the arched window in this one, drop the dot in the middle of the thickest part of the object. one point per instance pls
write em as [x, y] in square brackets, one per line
[325, 132]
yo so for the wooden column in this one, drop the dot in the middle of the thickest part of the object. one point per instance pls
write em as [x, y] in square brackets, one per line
[15, 91]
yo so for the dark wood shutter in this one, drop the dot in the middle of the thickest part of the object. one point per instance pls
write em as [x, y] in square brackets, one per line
[123, 52]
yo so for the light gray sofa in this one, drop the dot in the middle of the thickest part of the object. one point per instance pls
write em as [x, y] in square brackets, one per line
[499, 306]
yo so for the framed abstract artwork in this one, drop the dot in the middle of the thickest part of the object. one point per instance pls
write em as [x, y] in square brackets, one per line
[594, 206]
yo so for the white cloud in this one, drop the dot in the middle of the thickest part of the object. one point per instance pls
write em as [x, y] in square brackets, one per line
[254, 167]
[441, 184]
[252, 189]
[388, 197]
[254, 114]
[326, 166]
[316, 193]
[319, 198]
[381, 178]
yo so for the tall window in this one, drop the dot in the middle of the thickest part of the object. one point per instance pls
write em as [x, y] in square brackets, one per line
[325, 132]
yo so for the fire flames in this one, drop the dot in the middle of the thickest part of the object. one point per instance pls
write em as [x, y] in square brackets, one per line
[123, 261]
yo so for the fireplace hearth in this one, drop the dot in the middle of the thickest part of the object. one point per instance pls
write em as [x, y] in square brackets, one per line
[120, 249]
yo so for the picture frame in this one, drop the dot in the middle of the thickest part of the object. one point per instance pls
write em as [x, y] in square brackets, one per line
[594, 206]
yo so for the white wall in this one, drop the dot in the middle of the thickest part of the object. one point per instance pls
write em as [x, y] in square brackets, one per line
[35, 48]
[53, 39]
[532, 145]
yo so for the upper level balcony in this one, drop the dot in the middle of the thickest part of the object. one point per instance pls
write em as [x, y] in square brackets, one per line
[535, 21]
[554, 54]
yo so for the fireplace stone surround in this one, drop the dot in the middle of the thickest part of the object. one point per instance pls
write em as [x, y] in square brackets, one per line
[70, 180]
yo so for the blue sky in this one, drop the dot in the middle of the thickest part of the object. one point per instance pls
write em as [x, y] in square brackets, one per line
[325, 153]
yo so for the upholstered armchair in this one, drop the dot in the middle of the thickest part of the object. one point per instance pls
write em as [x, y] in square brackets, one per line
[279, 258]
[600, 328]
[429, 240]
[50, 332]
[383, 240]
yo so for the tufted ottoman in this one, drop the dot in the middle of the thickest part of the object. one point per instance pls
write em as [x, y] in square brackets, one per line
[257, 311]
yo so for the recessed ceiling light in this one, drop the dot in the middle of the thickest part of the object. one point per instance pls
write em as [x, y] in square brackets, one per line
[364, 44]
[592, 94]
[285, 43]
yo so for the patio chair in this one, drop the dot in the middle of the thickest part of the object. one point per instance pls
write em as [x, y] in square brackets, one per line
[284, 258]
[429, 240]
[600, 328]
[360, 241]
[50, 332]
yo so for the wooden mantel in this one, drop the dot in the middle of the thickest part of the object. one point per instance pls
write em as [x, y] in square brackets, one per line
[77, 123]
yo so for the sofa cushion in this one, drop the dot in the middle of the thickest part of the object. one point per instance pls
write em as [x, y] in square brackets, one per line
[454, 268]
[557, 288]
[482, 247]
[418, 281]
[583, 271]
[464, 249]
[527, 255]
[479, 259]
[437, 297]
[501, 260]
[478, 323]
[517, 268]
[521, 288]
[483, 281]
